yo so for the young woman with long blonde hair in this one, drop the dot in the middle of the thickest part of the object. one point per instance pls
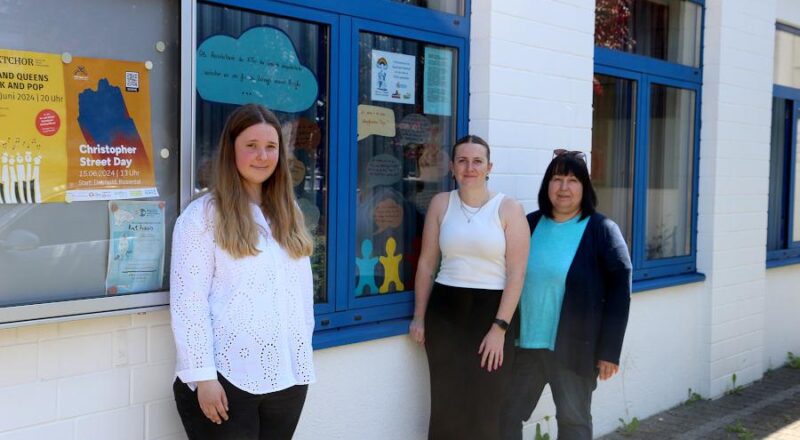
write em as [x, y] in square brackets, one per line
[241, 291]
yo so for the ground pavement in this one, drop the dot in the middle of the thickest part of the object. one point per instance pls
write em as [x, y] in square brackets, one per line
[767, 409]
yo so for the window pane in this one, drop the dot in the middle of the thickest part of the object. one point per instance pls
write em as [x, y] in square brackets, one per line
[449, 6]
[612, 148]
[406, 125]
[776, 236]
[283, 64]
[664, 29]
[796, 201]
[56, 251]
[787, 55]
[670, 168]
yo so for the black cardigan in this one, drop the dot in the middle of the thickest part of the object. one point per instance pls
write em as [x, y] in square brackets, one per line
[594, 312]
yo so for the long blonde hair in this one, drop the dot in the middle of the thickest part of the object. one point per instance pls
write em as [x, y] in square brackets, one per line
[235, 229]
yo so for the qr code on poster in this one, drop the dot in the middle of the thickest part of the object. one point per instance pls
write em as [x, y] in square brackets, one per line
[132, 81]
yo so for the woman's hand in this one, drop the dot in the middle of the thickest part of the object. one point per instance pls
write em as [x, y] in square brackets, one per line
[606, 369]
[491, 349]
[417, 330]
[213, 400]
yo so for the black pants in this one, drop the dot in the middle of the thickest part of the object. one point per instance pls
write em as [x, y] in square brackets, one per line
[572, 394]
[465, 399]
[271, 416]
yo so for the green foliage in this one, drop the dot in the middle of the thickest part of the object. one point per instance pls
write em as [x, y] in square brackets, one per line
[693, 398]
[793, 361]
[741, 432]
[539, 435]
[627, 429]
[734, 389]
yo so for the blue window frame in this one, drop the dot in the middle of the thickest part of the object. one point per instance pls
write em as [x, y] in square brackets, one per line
[646, 126]
[343, 316]
[783, 227]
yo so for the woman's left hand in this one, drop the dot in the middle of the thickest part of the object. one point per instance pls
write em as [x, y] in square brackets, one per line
[491, 349]
[607, 369]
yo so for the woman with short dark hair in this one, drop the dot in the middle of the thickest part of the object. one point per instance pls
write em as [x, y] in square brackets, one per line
[574, 302]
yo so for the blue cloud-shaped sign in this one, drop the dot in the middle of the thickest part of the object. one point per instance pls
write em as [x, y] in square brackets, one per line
[260, 66]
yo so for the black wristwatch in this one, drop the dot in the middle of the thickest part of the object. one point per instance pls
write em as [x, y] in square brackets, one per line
[502, 323]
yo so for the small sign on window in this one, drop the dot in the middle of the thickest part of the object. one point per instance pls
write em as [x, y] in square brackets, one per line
[132, 81]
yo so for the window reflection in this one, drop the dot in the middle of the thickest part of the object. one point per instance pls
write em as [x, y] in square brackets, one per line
[664, 29]
[285, 68]
[670, 172]
[612, 148]
[406, 125]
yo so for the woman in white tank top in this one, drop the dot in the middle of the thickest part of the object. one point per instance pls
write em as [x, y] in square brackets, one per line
[463, 317]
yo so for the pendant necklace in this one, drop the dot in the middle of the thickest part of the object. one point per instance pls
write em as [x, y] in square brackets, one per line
[470, 212]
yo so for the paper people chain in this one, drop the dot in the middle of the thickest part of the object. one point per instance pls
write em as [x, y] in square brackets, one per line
[391, 267]
[366, 269]
[19, 174]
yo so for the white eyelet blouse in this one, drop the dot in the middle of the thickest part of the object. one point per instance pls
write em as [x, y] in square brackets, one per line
[250, 318]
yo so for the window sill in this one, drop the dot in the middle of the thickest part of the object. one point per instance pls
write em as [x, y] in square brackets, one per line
[668, 281]
[359, 333]
[783, 262]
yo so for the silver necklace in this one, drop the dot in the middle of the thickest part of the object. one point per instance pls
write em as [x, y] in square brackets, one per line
[470, 212]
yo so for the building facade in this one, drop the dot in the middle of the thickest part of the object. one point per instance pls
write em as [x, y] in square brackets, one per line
[688, 110]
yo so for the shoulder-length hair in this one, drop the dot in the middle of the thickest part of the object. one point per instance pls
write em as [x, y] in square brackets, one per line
[563, 165]
[235, 228]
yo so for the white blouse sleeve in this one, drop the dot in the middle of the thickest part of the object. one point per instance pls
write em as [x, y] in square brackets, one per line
[307, 289]
[192, 271]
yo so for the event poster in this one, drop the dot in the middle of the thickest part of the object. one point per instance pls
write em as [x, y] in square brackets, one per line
[437, 91]
[72, 131]
[393, 77]
[136, 247]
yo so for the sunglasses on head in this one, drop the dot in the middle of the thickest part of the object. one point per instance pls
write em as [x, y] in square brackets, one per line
[573, 153]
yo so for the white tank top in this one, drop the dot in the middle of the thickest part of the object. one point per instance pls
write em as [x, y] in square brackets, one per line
[473, 246]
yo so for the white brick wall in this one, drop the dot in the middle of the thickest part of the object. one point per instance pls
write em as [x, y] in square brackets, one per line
[739, 41]
[105, 378]
[530, 85]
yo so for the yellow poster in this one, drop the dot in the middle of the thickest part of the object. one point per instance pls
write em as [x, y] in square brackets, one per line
[32, 134]
[77, 130]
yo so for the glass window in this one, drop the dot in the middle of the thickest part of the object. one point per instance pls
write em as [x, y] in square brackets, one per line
[671, 164]
[781, 126]
[783, 224]
[84, 90]
[613, 141]
[663, 29]
[787, 59]
[406, 125]
[282, 63]
[449, 6]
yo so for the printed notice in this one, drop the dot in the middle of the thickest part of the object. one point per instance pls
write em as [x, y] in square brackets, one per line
[393, 77]
[136, 247]
[437, 90]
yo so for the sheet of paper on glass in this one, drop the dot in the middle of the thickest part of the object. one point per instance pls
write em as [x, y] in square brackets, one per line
[77, 128]
[437, 88]
[136, 247]
[393, 77]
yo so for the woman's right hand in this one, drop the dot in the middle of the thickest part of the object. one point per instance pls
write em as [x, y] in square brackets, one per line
[213, 401]
[417, 330]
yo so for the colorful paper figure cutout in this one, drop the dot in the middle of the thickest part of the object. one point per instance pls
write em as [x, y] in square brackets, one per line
[391, 267]
[366, 269]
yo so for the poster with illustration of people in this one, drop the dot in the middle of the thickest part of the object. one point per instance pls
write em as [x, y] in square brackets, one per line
[73, 129]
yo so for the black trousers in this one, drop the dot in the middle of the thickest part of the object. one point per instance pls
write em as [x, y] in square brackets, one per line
[271, 416]
[465, 398]
[572, 394]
